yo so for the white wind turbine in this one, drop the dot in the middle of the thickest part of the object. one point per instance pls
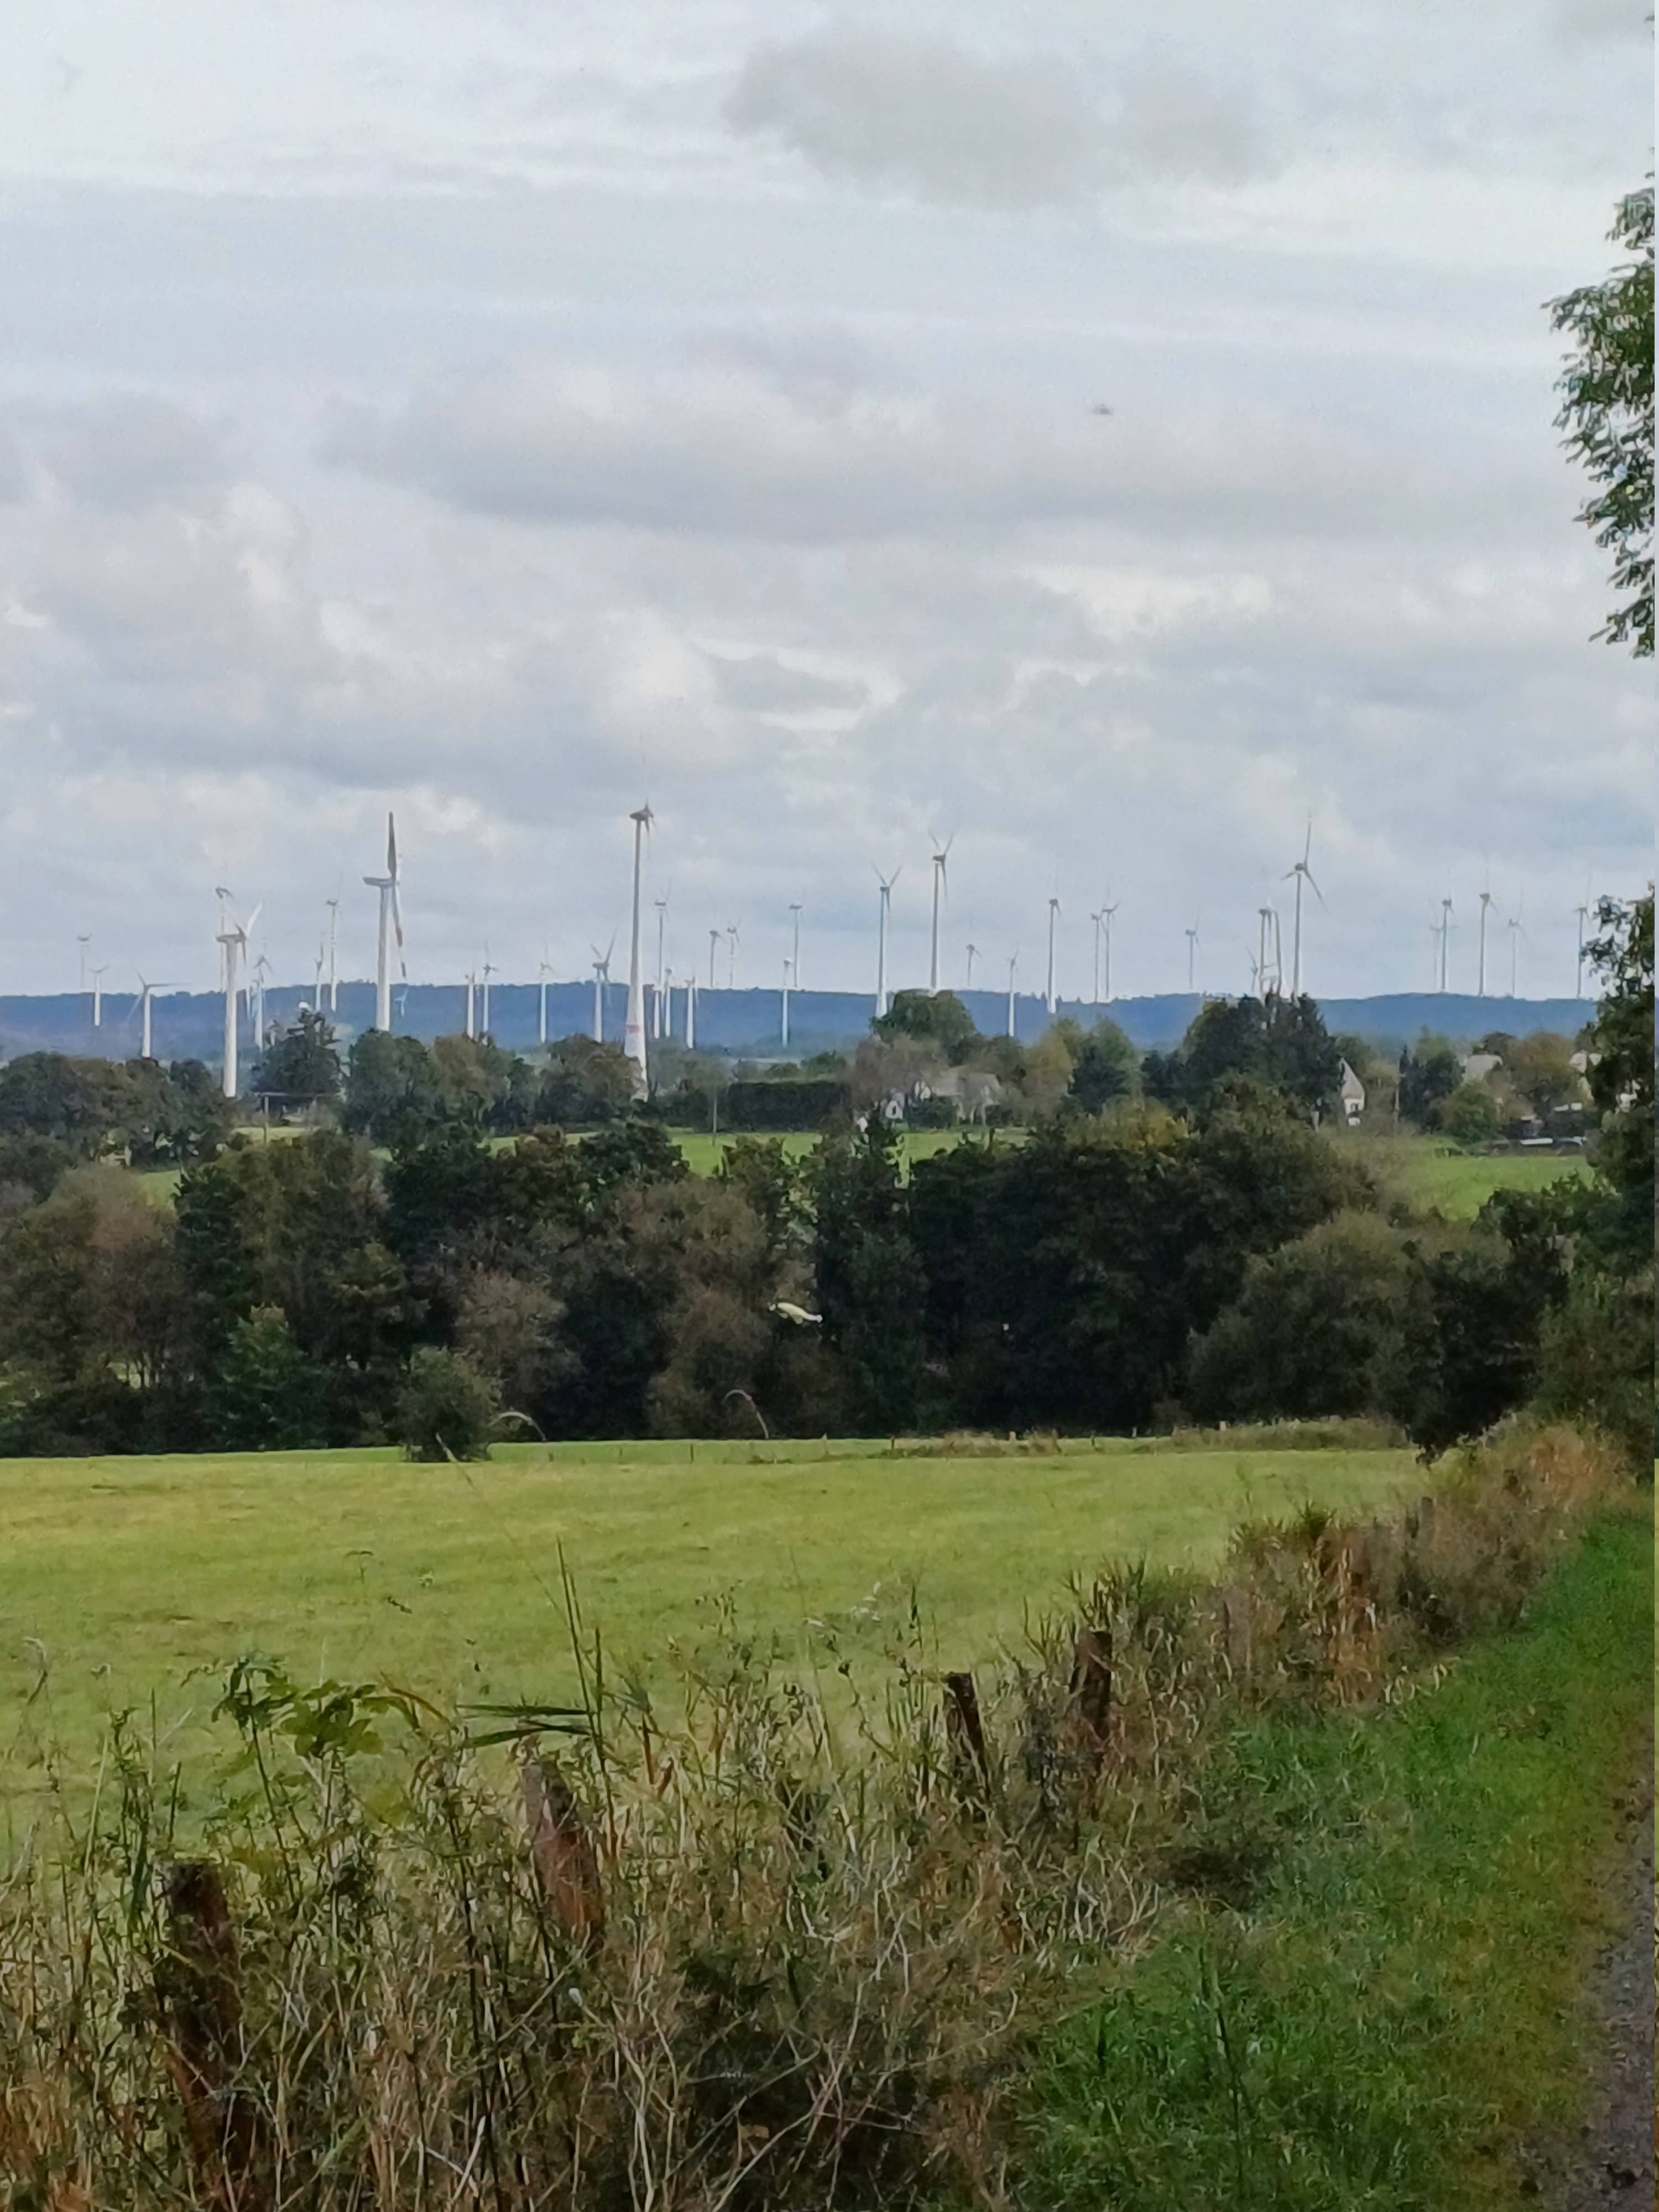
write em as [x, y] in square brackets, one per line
[1270, 962]
[1517, 930]
[714, 943]
[144, 997]
[941, 855]
[884, 916]
[470, 1020]
[84, 942]
[541, 1012]
[973, 954]
[601, 978]
[1583, 913]
[1106, 914]
[1301, 872]
[1480, 964]
[794, 948]
[1445, 939]
[489, 969]
[1013, 970]
[1192, 958]
[634, 1025]
[691, 1008]
[1096, 919]
[661, 1022]
[232, 936]
[732, 941]
[783, 1011]
[333, 906]
[392, 921]
[98, 996]
[1054, 916]
[257, 1001]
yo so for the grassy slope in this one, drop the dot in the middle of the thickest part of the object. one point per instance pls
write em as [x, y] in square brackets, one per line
[1403, 2003]
[129, 1572]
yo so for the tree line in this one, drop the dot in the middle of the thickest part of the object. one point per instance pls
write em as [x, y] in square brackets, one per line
[1185, 1246]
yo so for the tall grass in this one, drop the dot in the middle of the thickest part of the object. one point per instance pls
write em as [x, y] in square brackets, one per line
[787, 1953]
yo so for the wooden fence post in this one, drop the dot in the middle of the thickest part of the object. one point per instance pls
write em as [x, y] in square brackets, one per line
[199, 1988]
[965, 1731]
[1236, 1627]
[1091, 1689]
[561, 1851]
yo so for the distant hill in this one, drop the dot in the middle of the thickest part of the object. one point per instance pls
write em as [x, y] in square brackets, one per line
[188, 1026]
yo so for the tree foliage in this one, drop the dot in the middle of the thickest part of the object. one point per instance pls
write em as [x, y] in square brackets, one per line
[1607, 411]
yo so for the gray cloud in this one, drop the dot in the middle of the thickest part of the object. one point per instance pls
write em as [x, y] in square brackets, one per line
[762, 683]
[881, 108]
[125, 452]
[728, 447]
[1603, 19]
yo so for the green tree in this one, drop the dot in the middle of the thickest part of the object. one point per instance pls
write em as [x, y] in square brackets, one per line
[1469, 1115]
[1621, 1070]
[935, 1017]
[446, 1408]
[300, 1065]
[1429, 1072]
[584, 1083]
[1540, 1067]
[262, 1394]
[1105, 1068]
[870, 1288]
[394, 1093]
[1607, 411]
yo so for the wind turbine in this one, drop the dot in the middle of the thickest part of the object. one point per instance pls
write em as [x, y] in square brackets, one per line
[1106, 914]
[1014, 969]
[392, 921]
[1445, 937]
[1583, 913]
[232, 937]
[84, 942]
[319, 997]
[145, 994]
[1270, 963]
[257, 1000]
[1480, 965]
[732, 941]
[941, 855]
[1094, 919]
[658, 1016]
[1053, 916]
[471, 1028]
[601, 977]
[794, 949]
[1192, 958]
[714, 940]
[1301, 871]
[783, 1017]
[489, 970]
[541, 1013]
[333, 906]
[1516, 928]
[634, 1023]
[973, 954]
[98, 996]
[884, 919]
[691, 1009]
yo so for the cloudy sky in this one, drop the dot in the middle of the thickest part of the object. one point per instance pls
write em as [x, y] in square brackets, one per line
[1109, 439]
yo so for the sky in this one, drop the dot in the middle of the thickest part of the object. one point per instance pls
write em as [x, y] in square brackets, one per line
[1116, 444]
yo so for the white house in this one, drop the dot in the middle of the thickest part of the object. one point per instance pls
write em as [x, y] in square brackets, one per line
[1353, 1095]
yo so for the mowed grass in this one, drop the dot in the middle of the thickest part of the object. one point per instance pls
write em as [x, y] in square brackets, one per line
[123, 1580]
[1422, 1171]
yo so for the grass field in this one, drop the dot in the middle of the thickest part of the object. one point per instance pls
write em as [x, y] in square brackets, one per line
[1458, 1184]
[118, 1577]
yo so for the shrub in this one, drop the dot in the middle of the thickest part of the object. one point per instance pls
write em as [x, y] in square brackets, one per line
[1468, 1116]
[445, 1407]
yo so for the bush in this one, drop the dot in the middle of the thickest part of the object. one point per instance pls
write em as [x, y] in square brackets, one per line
[445, 1409]
[1468, 1116]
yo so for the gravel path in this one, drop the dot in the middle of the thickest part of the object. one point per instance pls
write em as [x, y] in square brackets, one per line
[1612, 2161]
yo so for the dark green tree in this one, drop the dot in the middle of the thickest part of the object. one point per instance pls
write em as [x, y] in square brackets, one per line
[1104, 1068]
[1469, 1115]
[870, 1287]
[1607, 411]
[1429, 1072]
[445, 1409]
[263, 1394]
[930, 1017]
[300, 1065]
[394, 1093]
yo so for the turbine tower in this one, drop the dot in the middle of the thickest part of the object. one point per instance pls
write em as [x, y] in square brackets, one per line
[1094, 919]
[601, 977]
[1106, 914]
[692, 1010]
[973, 954]
[1518, 930]
[783, 1016]
[731, 943]
[1301, 872]
[884, 920]
[333, 905]
[483, 1005]
[1053, 916]
[714, 940]
[1480, 965]
[941, 855]
[1270, 959]
[233, 937]
[661, 1023]
[794, 948]
[1014, 969]
[634, 1027]
[471, 1026]
[1583, 913]
[542, 973]
[391, 922]
[1192, 958]
[144, 1051]
[84, 942]
[1445, 937]
[98, 996]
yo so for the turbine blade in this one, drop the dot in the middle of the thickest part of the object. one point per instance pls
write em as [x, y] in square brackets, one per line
[392, 847]
[397, 915]
[1317, 893]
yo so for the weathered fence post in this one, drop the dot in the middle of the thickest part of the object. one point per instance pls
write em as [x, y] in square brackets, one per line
[1091, 1689]
[199, 1988]
[965, 1731]
[561, 1851]
[1236, 1627]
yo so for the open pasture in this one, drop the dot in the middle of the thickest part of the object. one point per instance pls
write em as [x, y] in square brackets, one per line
[1428, 1175]
[121, 1580]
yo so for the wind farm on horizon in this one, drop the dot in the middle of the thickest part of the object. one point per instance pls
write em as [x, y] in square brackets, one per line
[662, 1006]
